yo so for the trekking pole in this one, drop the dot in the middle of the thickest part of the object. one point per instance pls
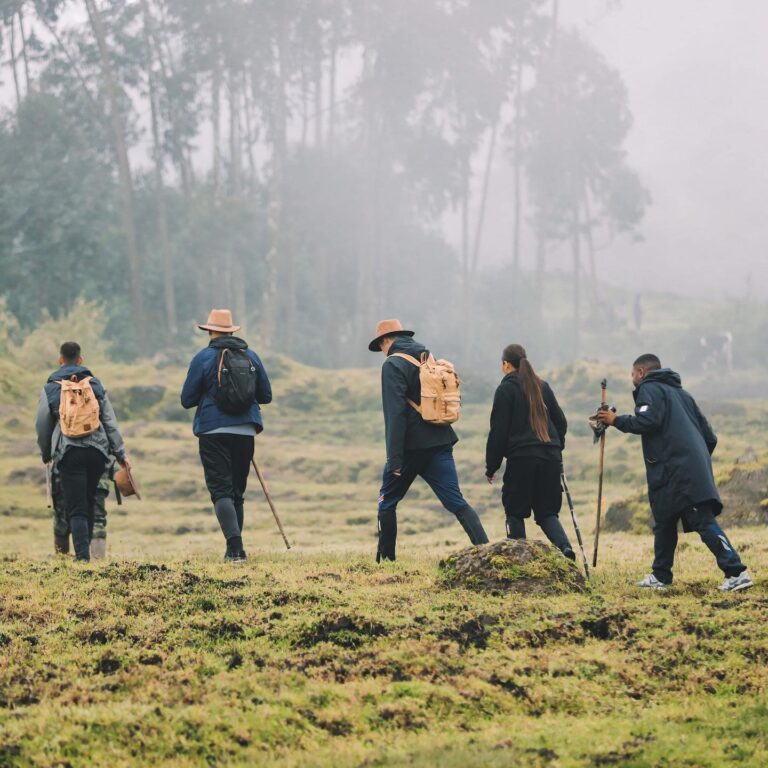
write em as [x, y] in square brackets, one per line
[603, 407]
[270, 502]
[49, 484]
[564, 483]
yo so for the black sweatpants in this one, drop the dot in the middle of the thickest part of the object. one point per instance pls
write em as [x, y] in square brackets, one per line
[532, 484]
[80, 470]
[226, 463]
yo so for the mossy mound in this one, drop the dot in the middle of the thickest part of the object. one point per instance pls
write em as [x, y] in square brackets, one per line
[512, 565]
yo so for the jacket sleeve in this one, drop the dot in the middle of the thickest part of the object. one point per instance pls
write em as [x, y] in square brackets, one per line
[556, 414]
[710, 438]
[496, 446]
[394, 395]
[650, 411]
[192, 390]
[263, 387]
[45, 423]
[109, 421]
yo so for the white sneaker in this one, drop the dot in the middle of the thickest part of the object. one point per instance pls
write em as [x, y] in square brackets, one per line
[735, 583]
[651, 582]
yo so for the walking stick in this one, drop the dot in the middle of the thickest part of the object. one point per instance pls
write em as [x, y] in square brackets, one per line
[564, 483]
[603, 406]
[270, 502]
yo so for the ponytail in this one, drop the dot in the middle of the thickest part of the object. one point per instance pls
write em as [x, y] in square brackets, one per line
[530, 383]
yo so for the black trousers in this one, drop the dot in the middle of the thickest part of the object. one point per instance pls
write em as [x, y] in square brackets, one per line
[700, 519]
[226, 464]
[80, 470]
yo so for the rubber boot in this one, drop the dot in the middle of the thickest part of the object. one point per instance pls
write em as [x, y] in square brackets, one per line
[470, 522]
[515, 528]
[554, 531]
[99, 548]
[81, 539]
[61, 544]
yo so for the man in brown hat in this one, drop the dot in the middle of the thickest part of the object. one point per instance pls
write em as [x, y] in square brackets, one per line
[226, 382]
[414, 446]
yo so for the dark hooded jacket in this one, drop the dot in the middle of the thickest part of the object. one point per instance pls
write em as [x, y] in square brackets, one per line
[511, 434]
[202, 384]
[404, 428]
[677, 445]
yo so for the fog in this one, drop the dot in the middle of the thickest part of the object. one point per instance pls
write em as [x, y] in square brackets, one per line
[548, 171]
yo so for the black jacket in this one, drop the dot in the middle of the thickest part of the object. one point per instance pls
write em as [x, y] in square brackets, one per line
[511, 435]
[677, 445]
[404, 428]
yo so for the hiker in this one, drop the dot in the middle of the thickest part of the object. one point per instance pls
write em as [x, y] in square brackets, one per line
[61, 523]
[77, 432]
[528, 429]
[415, 447]
[226, 382]
[677, 446]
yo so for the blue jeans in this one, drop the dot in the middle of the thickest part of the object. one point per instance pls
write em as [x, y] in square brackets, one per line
[437, 468]
[702, 520]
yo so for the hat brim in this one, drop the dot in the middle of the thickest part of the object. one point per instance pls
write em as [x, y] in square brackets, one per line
[219, 328]
[374, 345]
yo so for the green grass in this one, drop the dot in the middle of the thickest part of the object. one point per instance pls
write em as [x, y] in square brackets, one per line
[163, 655]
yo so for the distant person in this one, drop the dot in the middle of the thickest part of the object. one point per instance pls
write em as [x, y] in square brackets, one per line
[77, 432]
[677, 446]
[528, 428]
[226, 382]
[415, 447]
[638, 312]
[61, 523]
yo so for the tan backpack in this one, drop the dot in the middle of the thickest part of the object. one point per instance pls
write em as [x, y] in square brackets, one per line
[440, 389]
[79, 411]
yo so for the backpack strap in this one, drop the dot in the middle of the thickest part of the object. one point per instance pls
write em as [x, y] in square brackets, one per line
[413, 360]
[221, 363]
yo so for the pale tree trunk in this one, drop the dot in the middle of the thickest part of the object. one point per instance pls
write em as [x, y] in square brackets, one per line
[332, 94]
[318, 94]
[14, 70]
[216, 122]
[466, 271]
[275, 211]
[169, 293]
[237, 285]
[591, 250]
[25, 57]
[517, 168]
[123, 166]
[541, 265]
[484, 196]
[576, 251]
[304, 107]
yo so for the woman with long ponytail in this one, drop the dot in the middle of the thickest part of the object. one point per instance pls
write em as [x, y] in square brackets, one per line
[528, 429]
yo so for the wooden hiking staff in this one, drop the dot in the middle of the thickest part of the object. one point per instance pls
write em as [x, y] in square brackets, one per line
[270, 502]
[603, 407]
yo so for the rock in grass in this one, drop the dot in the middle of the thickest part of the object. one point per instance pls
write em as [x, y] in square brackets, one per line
[512, 565]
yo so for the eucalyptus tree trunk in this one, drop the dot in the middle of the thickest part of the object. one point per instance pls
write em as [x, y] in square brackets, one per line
[518, 166]
[237, 282]
[123, 166]
[24, 55]
[331, 133]
[576, 252]
[14, 70]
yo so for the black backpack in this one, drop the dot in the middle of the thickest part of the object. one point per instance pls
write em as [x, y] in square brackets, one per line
[237, 382]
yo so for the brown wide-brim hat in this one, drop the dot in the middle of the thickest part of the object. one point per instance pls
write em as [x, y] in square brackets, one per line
[385, 328]
[219, 320]
[126, 483]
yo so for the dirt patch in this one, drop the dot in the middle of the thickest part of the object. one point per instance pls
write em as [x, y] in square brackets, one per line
[342, 630]
[512, 566]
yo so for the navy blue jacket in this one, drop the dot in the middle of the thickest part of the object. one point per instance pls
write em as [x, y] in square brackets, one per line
[202, 384]
[677, 445]
[404, 429]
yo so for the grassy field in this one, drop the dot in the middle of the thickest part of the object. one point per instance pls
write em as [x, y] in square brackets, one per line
[163, 655]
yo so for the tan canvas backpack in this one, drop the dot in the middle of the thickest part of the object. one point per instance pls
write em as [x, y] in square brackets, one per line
[78, 408]
[440, 389]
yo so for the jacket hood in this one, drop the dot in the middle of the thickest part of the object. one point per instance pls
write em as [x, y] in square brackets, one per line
[407, 346]
[69, 370]
[228, 342]
[663, 376]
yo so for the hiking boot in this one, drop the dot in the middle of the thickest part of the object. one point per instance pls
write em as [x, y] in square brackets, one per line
[98, 549]
[61, 544]
[651, 582]
[736, 583]
[235, 552]
[570, 554]
[472, 526]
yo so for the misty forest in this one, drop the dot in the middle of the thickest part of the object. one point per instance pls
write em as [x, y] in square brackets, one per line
[210, 212]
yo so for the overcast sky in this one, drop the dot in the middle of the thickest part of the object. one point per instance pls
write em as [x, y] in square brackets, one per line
[697, 76]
